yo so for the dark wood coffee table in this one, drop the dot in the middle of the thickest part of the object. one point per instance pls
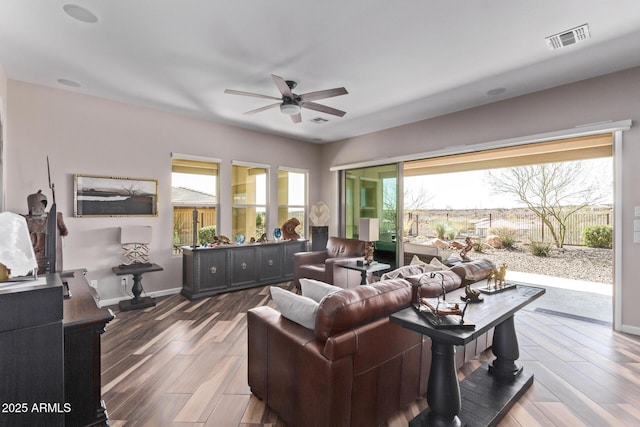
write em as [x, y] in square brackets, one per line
[485, 396]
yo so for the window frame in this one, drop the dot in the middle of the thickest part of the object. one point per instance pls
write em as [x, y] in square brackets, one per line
[305, 203]
[235, 206]
[196, 206]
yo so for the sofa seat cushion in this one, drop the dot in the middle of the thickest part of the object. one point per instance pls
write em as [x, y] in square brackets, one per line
[474, 270]
[433, 281]
[342, 310]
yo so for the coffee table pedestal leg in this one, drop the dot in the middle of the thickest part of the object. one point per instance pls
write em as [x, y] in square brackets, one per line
[505, 348]
[443, 393]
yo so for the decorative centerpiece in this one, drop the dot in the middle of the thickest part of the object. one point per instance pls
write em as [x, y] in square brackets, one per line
[499, 282]
[289, 229]
[437, 311]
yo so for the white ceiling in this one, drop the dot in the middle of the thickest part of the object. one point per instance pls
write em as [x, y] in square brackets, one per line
[401, 61]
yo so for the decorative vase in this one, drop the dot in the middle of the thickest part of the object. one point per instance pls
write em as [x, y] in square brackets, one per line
[277, 233]
[239, 239]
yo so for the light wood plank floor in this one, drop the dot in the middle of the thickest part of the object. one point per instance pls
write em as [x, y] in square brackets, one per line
[183, 363]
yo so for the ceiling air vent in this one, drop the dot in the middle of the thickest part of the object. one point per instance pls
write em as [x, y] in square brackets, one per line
[569, 37]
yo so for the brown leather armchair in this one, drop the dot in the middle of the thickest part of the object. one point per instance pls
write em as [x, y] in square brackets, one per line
[324, 265]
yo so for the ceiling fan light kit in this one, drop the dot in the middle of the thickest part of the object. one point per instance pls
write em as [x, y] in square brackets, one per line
[290, 108]
[292, 103]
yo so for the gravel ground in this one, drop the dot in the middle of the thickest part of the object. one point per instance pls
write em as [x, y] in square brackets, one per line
[572, 262]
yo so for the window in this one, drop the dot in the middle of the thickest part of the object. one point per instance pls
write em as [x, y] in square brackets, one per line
[194, 194]
[249, 193]
[292, 197]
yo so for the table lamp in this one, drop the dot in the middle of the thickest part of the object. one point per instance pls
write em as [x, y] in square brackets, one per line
[135, 241]
[16, 251]
[369, 231]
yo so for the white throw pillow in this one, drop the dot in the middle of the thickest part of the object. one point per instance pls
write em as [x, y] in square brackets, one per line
[316, 290]
[417, 261]
[437, 263]
[294, 307]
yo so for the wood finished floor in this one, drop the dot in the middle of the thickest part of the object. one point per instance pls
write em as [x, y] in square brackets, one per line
[184, 363]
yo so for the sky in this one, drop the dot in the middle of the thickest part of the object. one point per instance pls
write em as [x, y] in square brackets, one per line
[469, 190]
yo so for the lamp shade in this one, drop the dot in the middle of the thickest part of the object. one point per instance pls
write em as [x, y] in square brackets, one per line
[16, 249]
[135, 234]
[369, 229]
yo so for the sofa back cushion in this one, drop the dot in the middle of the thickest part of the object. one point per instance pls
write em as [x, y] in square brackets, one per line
[345, 309]
[338, 247]
[475, 270]
[432, 282]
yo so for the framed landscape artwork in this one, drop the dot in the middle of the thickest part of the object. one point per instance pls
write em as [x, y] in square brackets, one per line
[114, 196]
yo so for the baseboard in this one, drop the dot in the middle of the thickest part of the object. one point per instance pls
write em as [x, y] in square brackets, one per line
[634, 330]
[114, 301]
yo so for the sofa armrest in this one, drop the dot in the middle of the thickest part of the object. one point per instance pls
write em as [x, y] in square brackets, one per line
[286, 366]
[313, 257]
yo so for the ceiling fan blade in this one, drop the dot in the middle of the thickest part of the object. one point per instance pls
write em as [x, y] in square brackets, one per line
[266, 107]
[322, 94]
[255, 95]
[323, 108]
[283, 87]
[296, 118]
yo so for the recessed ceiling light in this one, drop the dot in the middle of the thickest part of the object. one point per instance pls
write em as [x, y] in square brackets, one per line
[496, 91]
[67, 82]
[80, 13]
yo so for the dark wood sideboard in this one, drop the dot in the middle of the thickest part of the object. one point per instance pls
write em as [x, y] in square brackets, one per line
[31, 353]
[83, 323]
[210, 271]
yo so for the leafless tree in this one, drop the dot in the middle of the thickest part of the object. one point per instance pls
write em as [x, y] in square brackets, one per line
[415, 199]
[553, 191]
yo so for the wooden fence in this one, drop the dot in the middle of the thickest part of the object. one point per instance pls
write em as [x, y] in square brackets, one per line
[183, 224]
[528, 226]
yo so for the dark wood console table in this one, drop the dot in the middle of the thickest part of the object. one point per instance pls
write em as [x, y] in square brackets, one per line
[137, 270]
[83, 324]
[452, 403]
[210, 271]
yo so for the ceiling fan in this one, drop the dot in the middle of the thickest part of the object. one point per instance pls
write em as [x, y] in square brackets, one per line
[291, 103]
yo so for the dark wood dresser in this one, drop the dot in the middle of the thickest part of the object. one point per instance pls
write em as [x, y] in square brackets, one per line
[83, 323]
[31, 353]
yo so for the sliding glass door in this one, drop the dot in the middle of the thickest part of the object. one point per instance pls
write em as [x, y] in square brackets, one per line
[373, 193]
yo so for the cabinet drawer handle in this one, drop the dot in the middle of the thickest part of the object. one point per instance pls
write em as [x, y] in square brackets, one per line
[213, 270]
[270, 262]
[243, 265]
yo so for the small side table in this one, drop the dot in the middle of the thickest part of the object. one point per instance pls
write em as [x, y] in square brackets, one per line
[365, 269]
[137, 270]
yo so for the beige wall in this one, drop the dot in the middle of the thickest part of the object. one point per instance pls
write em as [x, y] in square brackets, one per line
[88, 135]
[613, 97]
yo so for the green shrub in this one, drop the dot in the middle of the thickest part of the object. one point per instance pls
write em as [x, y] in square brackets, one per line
[507, 235]
[540, 248]
[440, 228]
[206, 234]
[598, 236]
[477, 244]
[451, 232]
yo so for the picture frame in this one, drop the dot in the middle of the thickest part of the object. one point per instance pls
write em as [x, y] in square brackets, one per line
[113, 196]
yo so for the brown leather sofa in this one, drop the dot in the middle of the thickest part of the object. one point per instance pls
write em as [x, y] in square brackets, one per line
[355, 369]
[324, 265]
